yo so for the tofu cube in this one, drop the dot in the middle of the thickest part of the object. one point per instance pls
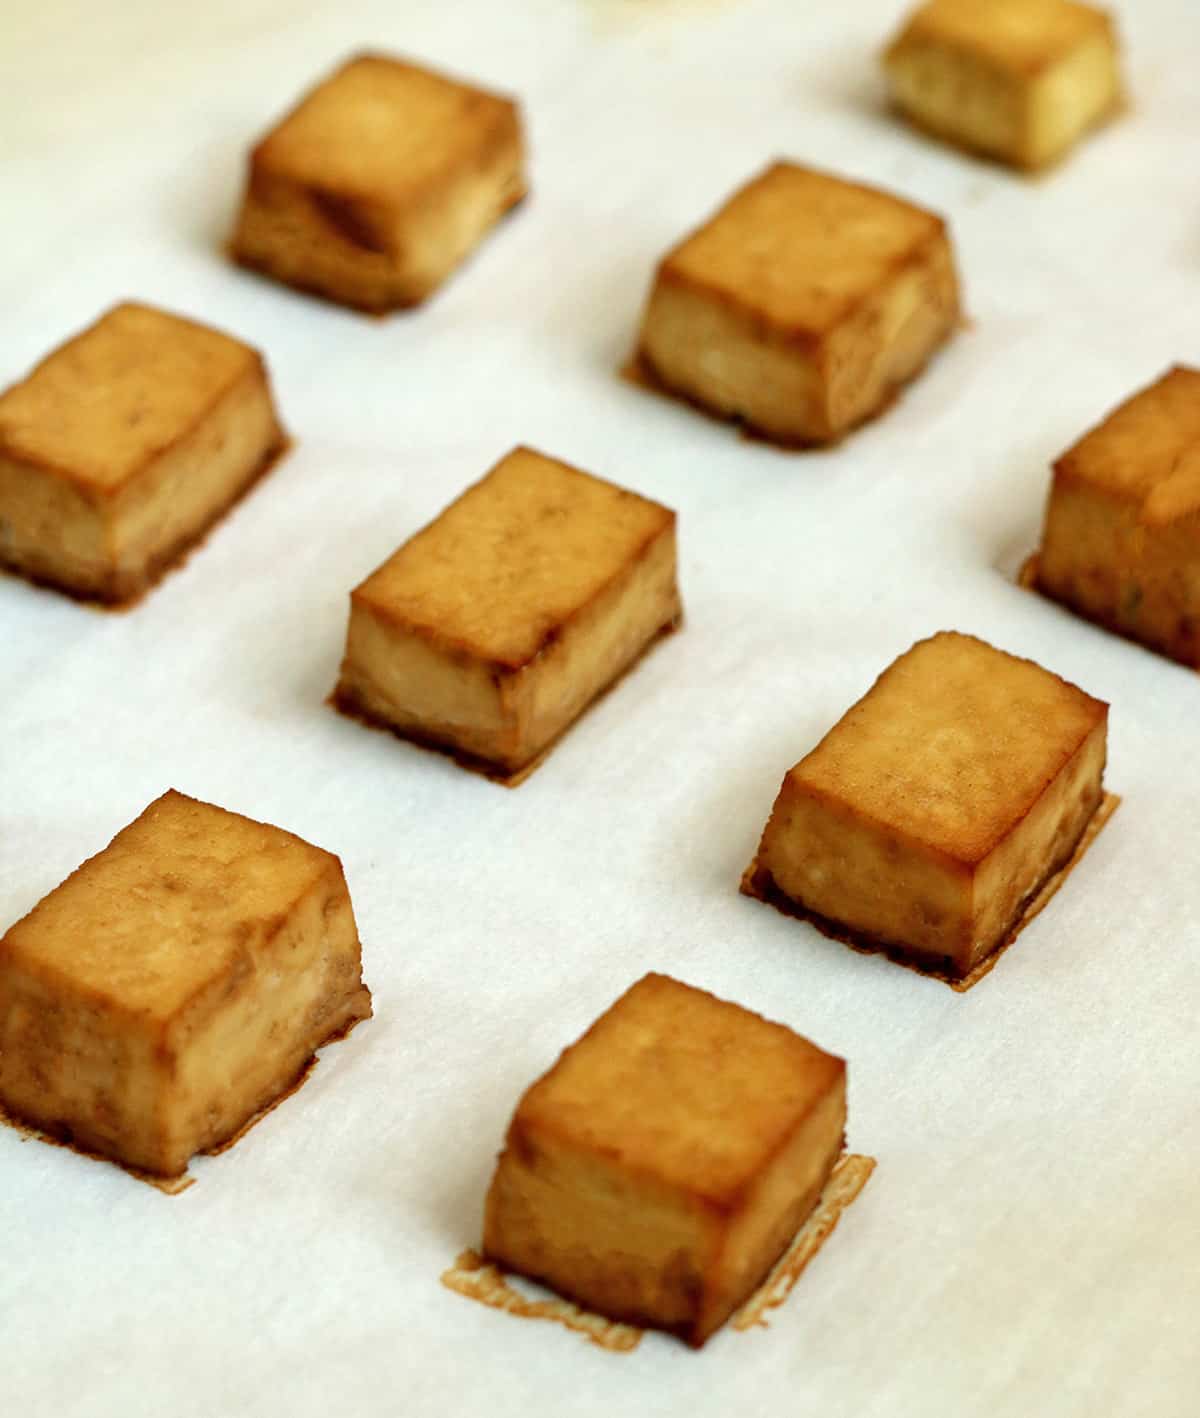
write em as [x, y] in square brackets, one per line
[665, 1162]
[493, 628]
[379, 183]
[124, 446]
[802, 306]
[1017, 80]
[938, 805]
[175, 985]
[1121, 543]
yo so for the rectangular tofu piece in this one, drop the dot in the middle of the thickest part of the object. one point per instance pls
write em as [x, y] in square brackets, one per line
[939, 804]
[379, 183]
[1017, 80]
[663, 1165]
[493, 628]
[1121, 543]
[176, 984]
[122, 448]
[801, 306]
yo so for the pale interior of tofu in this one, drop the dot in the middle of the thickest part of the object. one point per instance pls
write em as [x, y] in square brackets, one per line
[709, 351]
[855, 872]
[891, 335]
[1099, 555]
[73, 1060]
[956, 95]
[244, 1041]
[1070, 97]
[508, 717]
[777, 1206]
[1039, 844]
[619, 1243]
[50, 529]
[704, 349]
[178, 495]
[282, 230]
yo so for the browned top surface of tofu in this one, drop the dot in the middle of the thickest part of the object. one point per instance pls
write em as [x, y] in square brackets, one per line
[506, 564]
[379, 128]
[1148, 449]
[952, 745]
[800, 249]
[169, 906]
[1021, 36]
[102, 406]
[673, 1083]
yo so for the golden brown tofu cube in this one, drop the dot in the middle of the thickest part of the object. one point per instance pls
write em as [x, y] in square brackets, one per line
[1017, 80]
[662, 1166]
[801, 306]
[383, 180]
[176, 984]
[937, 806]
[1121, 543]
[492, 629]
[124, 446]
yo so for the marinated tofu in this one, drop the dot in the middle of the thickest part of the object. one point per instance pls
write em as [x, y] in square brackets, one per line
[938, 805]
[1017, 80]
[492, 629]
[802, 306]
[176, 984]
[122, 448]
[379, 183]
[664, 1163]
[1121, 543]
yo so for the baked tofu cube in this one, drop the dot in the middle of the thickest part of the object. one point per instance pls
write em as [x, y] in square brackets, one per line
[382, 181]
[175, 985]
[662, 1166]
[492, 629]
[1017, 80]
[1122, 538]
[124, 446]
[931, 813]
[802, 306]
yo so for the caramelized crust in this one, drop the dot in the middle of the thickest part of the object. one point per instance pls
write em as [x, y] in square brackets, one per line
[661, 1167]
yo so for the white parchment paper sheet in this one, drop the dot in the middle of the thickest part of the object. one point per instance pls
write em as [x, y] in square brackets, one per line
[1030, 1243]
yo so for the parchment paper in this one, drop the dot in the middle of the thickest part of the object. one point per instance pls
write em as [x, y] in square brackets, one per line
[1030, 1242]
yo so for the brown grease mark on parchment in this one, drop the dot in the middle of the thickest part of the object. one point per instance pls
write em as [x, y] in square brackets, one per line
[758, 884]
[847, 1179]
[478, 1279]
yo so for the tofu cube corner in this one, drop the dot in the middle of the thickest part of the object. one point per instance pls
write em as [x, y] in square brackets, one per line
[939, 804]
[1121, 542]
[175, 985]
[379, 183]
[1020, 81]
[492, 629]
[802, 306]
[124, 446]
[662, 1166]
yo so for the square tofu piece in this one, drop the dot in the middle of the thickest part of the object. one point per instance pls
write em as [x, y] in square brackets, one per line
[927, 817]
[176, 984]
[492, 629]
[663, 1165]
[1122, 538]
[382, 181]
[1017, 80]
[124, 446]
[802, 306]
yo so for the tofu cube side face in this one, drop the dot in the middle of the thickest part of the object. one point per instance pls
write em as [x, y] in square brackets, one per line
[52, 530]
[375, 236]
[879, 866]
[952, 72]
[760, 353]
[597, 1203]
[118, 1031]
